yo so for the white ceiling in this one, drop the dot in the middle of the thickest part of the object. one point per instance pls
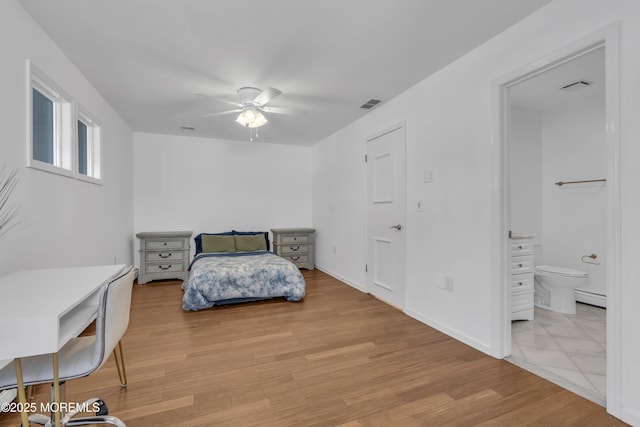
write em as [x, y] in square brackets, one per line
[544, 90]
[155, 60]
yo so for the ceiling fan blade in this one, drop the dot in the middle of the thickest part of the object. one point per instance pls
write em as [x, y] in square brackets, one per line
[226, 101]
[221, 113]
[266, 95]
[281, 110]
[217, 99]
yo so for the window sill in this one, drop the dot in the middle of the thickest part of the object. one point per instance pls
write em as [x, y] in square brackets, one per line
[46, 167]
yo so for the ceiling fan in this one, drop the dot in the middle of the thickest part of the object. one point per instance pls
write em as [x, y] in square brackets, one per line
[252, 105]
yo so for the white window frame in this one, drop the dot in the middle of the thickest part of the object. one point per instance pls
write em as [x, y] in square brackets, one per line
[63, 133]
[94, 146]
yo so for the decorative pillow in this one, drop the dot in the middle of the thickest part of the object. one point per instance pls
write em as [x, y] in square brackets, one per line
[198, 239]
[218, 243]
[263, 233]
[250, 242]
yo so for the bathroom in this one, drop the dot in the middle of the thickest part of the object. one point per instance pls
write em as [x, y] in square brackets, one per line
[557, 137]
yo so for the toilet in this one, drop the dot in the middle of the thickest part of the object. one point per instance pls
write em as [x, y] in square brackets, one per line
[555, 286]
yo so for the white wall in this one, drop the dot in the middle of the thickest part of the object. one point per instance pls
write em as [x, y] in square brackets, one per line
[208, 185]
[574, 216]
[339, 205]
[449, 120]
[64, 222]
[565, 142]
[525, 149]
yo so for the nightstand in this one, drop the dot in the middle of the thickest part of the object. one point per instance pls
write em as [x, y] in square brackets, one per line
[164, 255]
[295, 245]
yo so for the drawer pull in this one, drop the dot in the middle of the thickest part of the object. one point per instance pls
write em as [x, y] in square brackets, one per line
[295, 258]
[162, 267]
[519, 247]
[164, 256]
[297, 248]
[520, 265]
[519, 283]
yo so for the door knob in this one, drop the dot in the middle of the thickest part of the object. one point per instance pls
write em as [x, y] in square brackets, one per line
[397, 227]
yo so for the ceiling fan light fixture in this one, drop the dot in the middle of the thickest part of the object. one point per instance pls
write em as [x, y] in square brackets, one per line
[259, 120]
[251, 117]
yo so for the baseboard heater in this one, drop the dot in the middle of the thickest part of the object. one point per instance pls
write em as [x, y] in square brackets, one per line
[591, 298]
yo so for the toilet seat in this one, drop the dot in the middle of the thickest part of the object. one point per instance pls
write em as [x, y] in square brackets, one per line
[560, 271]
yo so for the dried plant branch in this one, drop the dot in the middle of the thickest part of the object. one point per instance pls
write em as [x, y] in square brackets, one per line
[8, 213]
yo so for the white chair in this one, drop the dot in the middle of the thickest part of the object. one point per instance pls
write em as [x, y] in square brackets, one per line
[82, 355]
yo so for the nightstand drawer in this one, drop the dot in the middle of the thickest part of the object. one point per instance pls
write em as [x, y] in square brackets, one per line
[165, 268]
[296, 258]
[287, 240]
[164, 244]
[294, 249]
[165, 256]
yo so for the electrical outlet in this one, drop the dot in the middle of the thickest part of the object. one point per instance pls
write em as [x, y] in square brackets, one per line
[444, 282]
[334, 250]
[448, 283]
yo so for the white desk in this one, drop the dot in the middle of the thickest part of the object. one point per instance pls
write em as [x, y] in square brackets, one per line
[41, 310]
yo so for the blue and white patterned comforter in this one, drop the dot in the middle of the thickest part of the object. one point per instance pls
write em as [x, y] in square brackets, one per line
[218, 277]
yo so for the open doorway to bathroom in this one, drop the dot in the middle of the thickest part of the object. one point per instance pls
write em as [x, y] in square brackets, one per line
[557, 204]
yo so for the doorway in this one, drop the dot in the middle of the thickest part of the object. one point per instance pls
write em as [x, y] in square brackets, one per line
[607, 41]
[557, 170]
[386, 213]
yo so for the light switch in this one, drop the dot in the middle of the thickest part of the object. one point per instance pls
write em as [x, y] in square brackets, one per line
[419, 205]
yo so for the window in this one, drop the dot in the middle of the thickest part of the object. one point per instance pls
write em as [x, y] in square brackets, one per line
[50, 147]
[43, 127]
[88, 147]
[63, 139]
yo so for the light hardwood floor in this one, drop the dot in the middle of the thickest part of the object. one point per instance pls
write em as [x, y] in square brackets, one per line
[338, 358]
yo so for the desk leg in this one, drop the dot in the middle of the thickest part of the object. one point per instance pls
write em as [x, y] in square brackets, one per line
[56, 390]
[22, 397]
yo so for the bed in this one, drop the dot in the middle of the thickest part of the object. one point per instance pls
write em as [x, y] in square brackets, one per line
[236, 267]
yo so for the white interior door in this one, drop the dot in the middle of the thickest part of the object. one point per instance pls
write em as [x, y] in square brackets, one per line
[386, 212]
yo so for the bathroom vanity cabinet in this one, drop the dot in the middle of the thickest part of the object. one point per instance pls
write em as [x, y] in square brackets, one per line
[522, 276]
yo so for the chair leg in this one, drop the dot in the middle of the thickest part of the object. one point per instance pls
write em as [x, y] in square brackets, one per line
[99, 419]
[119, 357]
[71, 419]
[31, 391]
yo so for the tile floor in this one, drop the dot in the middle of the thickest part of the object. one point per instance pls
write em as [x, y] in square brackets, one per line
[568, 350]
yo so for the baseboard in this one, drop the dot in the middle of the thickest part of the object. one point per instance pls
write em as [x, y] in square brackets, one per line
[591, 298]
[419, 317]
[452, 333]
[342, 279]
[630, 417]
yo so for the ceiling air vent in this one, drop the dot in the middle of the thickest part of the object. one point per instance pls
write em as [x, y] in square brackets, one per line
[580, 84]
[370, 104]
[191, 128]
